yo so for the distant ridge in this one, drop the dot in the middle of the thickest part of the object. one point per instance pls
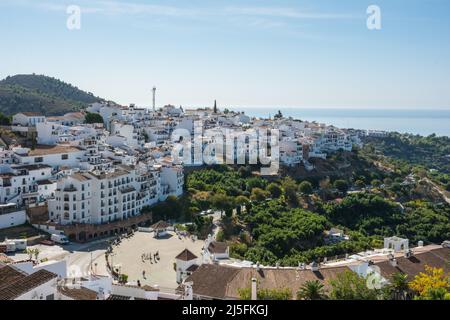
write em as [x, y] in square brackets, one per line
[40, 93]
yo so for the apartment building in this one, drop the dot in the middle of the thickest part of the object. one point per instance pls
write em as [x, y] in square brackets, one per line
[99, 197]
[21, 184]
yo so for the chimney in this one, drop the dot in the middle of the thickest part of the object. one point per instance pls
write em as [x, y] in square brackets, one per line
[420, 244]
[254, 289]
[408, 253]
[392, 260]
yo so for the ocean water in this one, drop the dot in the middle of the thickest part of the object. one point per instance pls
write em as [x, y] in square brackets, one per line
[415, 121]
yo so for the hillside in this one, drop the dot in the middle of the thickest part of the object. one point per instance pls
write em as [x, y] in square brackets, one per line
[42, 94]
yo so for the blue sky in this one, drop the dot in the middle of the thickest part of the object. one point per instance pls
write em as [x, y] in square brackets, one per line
[245, 53]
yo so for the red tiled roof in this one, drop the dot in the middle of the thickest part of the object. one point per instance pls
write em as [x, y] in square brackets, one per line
[186, 255]
[79, 293]
[217, 247]
[24, 284]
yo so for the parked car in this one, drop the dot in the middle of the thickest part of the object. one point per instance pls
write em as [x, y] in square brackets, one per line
[59, 238]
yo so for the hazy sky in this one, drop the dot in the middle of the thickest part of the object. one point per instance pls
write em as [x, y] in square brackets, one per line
[240, 52]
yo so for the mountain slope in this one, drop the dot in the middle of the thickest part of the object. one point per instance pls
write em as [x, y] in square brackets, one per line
[42, 94]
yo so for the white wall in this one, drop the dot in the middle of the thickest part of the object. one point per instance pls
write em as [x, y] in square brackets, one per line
[12, 219]
[44, 290]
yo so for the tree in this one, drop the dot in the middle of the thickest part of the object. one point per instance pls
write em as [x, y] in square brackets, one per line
[4, 120]
[36, 253]
[398, 289]
[290, 190]
[222, 202]
[431, 284]
[274, 189]
[341, 185]
[305, 187]
[388, 181]
[278, 115]
[30, 253]
[348, 285]
[360, 184]
[93, 118]
[311, 290]
[259, 194]
[266, 294]
[241, 201]
[245, 172]
[220, 236]
[376, 183]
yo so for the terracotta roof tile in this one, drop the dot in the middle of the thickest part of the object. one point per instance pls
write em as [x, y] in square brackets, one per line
[79, 293]
[24, 284]
[186, 255]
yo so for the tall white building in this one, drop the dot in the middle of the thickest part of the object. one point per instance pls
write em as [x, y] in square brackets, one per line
[106, 196]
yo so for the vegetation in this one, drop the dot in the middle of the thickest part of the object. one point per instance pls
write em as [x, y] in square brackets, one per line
[424, 156]
[284, 221]
[43, 94]
[305, 187]
[266, 294]
[350, 286]
[312, 290]
[433, 284]
[398, 289]
[93, 118]
[5, 120]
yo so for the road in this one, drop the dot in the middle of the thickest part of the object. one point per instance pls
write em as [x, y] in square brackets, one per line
[80, 259]
[77, 256]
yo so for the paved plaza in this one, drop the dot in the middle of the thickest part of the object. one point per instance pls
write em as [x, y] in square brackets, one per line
[128, 256]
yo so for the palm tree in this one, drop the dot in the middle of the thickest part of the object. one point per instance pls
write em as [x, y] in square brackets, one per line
[30, 253]
[399, 286]
[36, 253]
[311, 290]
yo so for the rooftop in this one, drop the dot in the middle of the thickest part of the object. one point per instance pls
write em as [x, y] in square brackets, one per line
[78, 293]
[42, 150]
[16, 286]
[224, 282]
[412, 266]
[186, 255]
[31, 114]
[217, 247]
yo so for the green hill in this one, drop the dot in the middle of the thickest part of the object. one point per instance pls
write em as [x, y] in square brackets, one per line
[43, 94]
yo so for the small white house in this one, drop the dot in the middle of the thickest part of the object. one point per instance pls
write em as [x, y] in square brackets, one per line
[216, 250]
[27, 119]
[397, 244]
[186, 263]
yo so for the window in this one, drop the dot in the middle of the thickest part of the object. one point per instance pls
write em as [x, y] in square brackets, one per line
[38, 159]
[64, 157]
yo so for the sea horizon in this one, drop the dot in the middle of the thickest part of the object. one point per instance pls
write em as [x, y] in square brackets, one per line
[423, 121]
